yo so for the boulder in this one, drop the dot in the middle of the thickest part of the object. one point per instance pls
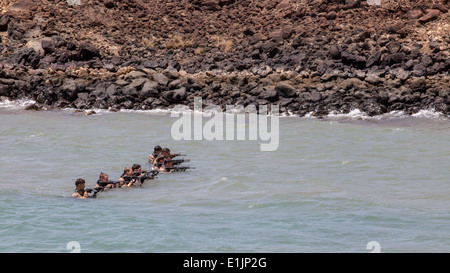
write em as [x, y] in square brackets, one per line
[34, 107]
[137, 83]
[88, 51]
[70, 88]
[179, 94]
[109, 4]
[285, 90]
[269, 94]
[284, 4]
[26, 56]
[175, 84]
[400, 73]
[394, 58]
[432, 14]
[426, 60]
[419, 70]
[415, 14]
[335, 51]
[315, 96]
[15, 32]
[440, 7]
[134, 75]
[351, 4]
[372, 108]
[394, 47]
[25, 5]
[80, 103]
[4, 21]
[161, 79]
[353, 59]
[150, 89]
[374, 79]
[418, 84]
[130, 91]
[331, 15]
[373, 59]
[47, 46]
[174, 96]
[112, 91]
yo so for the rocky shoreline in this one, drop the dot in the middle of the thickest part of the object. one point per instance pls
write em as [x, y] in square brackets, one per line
[321, 57]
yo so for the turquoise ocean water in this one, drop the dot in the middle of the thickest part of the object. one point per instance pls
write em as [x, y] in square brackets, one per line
[333, 185]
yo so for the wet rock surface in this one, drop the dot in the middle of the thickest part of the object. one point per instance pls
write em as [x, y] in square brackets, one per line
[317, 57]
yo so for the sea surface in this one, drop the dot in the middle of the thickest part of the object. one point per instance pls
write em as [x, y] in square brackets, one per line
[339, 184]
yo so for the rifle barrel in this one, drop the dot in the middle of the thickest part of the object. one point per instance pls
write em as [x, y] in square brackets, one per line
[178, 154]
[179, 168]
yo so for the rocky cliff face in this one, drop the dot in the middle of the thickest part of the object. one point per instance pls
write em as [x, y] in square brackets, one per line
[307, 56]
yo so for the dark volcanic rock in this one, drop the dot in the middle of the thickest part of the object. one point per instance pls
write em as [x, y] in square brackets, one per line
[15, 32]
[285, 90]
[315, 96]
[394, 58]
[374, 59]
[4, 21]
[432, 14]
[306, 56]
[174, 96]
[109, 4]
[269, 94]
[70, 89]
[88, 51]
[160, 79]
[150, 89]
[353, 59]
[372, 108]
[418, 84]
[47, 46]
[26, 56]
[34, 107]
[335, 51]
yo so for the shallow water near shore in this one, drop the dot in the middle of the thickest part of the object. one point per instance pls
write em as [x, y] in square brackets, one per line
[333, 185]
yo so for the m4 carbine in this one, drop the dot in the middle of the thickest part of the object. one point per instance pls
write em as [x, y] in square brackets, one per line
[177, 154]
[106, 183]
[179, 161]
[152, 172]
[94, 190]
[179, 168]
[141, 176]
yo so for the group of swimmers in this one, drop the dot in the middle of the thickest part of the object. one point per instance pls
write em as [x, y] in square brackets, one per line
[161, 159]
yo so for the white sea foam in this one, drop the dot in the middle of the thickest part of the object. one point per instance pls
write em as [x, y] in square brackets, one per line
[428, 114]
[152, 112]
[309, 115]
[353, 114]
[16, 104]
[358, 114]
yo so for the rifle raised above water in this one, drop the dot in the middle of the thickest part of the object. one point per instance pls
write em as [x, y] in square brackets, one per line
[177, 154]
[94, 190]
[106, 183]
[179, 168]
[152, 172]
[179, 161]
[141, 176]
